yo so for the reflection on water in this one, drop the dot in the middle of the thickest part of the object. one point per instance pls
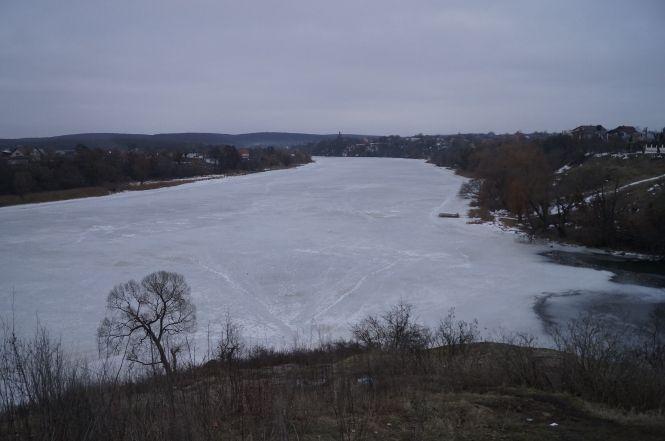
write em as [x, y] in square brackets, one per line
[626, 307]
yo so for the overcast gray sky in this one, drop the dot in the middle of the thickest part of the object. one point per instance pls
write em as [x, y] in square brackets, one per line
[373, 67]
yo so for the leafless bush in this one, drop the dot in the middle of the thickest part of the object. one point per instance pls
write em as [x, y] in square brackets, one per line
[612, 362]
[597, 352]
[230, 345]
[652, 346]
[523, 363]
[40, 385]
[456, 335]
[395, 330]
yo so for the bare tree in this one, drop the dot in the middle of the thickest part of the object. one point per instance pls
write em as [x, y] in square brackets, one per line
[147, 319]
[230, 344]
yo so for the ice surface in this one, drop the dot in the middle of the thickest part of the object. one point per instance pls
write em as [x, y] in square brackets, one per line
[297, 252]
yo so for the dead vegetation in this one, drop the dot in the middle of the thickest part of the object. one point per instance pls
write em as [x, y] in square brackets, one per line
[397, 380]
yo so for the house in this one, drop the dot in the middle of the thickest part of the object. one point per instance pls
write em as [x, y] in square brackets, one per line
[244, 154]
[194, 155]
[589, 132]
[23, 155]
[624, 133]
[374, 147]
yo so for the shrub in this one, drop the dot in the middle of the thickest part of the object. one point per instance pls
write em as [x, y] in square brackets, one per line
[456, 335]
[394, 331]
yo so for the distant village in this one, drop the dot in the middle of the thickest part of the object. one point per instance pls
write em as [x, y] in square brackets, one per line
[624, 137]
[651, 142]
[21, 155]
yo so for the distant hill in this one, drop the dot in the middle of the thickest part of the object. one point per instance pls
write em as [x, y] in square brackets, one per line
[167, 140]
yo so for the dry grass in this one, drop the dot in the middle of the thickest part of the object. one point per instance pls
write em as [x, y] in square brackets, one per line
[633, 168]
[158, 184]
[318, 396]
[648, 419]
[50, 196]
[85, 192]
[396, 382]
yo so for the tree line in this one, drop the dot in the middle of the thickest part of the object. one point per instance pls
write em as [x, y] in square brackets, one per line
[92, 167]
[566, 188]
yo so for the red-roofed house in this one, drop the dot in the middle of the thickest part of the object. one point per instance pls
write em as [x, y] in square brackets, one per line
[624, 133]
[244, 154]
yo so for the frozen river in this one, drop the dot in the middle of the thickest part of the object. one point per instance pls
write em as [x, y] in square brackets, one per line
[303, 252]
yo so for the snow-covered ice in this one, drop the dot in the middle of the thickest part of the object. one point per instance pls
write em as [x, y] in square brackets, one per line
[294, 252]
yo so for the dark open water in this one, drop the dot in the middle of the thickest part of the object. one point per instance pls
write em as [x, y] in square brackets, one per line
[622, 306]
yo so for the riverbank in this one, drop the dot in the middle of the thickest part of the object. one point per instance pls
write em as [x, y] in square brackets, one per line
[507, 221]
[341, 392]
[576, 195]
[87, 192]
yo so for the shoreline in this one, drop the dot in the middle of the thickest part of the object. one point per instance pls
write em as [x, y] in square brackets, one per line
[45, 197]
[501, 222]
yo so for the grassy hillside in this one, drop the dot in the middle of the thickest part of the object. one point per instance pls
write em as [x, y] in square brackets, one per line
[475, 394]
[397, 380]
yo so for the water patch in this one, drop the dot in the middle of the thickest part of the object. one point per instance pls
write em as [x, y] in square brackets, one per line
[626, 270]
[624, 305]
